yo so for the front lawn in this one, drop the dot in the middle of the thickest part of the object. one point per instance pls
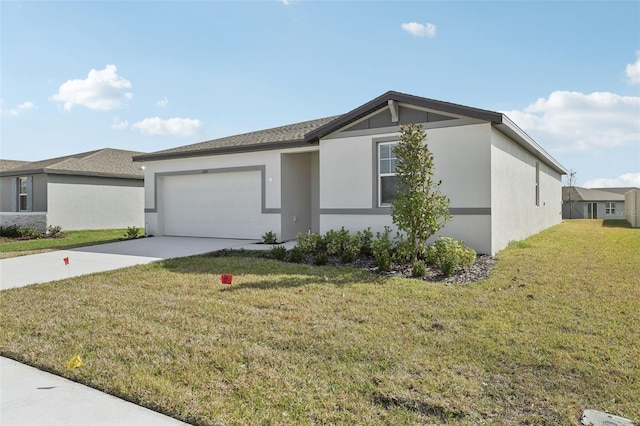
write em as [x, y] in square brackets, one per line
[72, 239]
[552, 332]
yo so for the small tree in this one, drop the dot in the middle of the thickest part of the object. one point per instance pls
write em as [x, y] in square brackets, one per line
[419, 209]
[570, 185]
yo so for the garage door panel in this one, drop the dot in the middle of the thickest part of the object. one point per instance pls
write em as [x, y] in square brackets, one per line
[226, 205]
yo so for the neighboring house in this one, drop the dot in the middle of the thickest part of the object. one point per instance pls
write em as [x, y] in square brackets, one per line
[339, 171]
[632, 207]
[593, 203]
[101, 189]
[10, 164]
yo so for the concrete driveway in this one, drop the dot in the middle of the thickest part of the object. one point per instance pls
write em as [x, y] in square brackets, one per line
[40, 268]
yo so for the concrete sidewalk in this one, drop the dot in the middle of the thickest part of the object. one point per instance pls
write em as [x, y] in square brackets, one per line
[30, 397]
[45, 267]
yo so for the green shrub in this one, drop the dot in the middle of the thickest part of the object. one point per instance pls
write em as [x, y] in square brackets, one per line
[336, 241]
[30, 233]
[321, 258]
[366, 241]
[382, 250]
[11, 231]
[279, 252]
[15, 231]
[307, 242]
[297, 255]
[54, 231]
[132, 233]
[450, 255]
[270, 238]
[419, 269]
[403, 252]
[351, 249]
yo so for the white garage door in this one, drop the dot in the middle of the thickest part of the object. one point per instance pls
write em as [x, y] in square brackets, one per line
[223, 205]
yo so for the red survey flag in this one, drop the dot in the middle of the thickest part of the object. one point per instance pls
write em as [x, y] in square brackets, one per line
[226, 279]
[66, 260]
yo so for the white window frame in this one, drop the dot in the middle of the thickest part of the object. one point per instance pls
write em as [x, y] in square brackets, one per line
[23, 194]
[609, 207]
[380, 174]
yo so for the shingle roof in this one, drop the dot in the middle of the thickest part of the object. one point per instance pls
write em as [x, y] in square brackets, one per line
[619, 190]
[590, 194]
[308, 132]
[276, 137]
[103, 162]
[10, 164]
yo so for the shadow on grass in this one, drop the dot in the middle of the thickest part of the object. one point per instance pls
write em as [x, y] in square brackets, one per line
[616, 223]
[417, 406]
[279, 274]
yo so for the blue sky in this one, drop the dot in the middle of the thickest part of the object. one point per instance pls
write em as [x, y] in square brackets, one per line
[150, 75]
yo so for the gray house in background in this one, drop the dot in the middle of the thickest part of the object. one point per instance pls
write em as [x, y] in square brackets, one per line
[102, 189]
[593, 203]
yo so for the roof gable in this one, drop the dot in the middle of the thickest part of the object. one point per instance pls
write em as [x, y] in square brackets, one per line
[384, 100]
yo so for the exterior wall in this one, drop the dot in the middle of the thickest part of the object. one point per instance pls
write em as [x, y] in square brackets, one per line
[81, 202]
[34, 220]
[269, 160]
[5, 194]
[632, 208]
[619, 213]
[579, 210]
[574, 211]
[348, 180]
[513, 193]
[9, 194]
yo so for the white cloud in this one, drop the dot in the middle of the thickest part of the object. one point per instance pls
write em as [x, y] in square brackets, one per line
[286, 2]
[625, 180]
[18, 109]
[163, 102]
[419, 30]
[172, 126]
[574, 121]
[633, 70]
[103, 89]
[119, 124]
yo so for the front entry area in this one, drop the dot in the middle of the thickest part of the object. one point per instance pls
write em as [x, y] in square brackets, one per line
[300, 191]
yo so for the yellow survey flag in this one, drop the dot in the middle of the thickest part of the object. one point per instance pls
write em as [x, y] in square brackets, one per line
[74, 362]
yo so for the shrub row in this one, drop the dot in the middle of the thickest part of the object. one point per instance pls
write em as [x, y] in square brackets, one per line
[23, 232]
[446, 253]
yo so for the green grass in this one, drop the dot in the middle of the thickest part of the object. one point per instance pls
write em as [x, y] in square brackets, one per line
[73, 239]
[552, 332]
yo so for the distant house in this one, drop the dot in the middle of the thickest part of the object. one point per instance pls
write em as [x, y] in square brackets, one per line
[593, 203]
[340, 171]
[100, 189]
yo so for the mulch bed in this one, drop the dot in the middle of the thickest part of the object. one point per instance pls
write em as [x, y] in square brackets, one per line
[477, 272]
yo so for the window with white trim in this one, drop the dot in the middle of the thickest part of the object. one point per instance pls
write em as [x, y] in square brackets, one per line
[609, 207]
[23, 193]
[387, 178]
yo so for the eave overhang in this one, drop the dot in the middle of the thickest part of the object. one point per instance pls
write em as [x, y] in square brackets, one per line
[300, 143]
